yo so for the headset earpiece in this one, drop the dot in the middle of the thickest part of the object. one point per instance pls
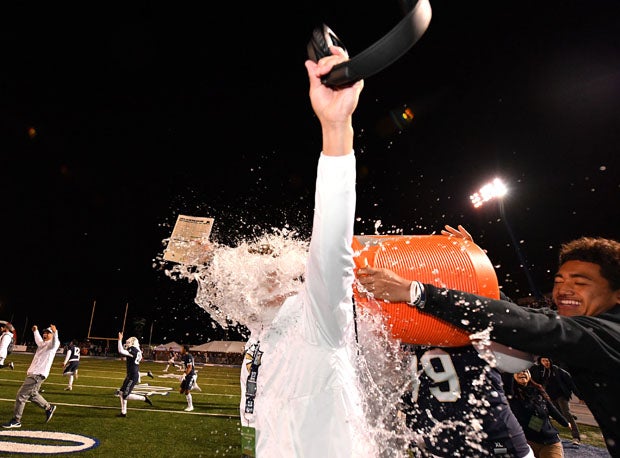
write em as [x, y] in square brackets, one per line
[376, 57]
[322, 38]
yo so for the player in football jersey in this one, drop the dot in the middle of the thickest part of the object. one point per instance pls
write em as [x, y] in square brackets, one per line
[188, 380]
[133, 356]
[456, 405]
[71, 364]
[173, 361]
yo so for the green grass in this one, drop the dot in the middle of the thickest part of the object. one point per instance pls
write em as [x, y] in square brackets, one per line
[161, 430]
[589, 434]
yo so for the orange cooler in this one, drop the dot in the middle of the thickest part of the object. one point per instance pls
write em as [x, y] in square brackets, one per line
[441, 260]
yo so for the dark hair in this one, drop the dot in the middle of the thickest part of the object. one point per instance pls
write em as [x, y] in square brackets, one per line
[597, 250]
[186, 347]
[538, 360]
[522, 393]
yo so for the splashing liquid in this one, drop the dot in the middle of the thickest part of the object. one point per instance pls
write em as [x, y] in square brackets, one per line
[245, 284]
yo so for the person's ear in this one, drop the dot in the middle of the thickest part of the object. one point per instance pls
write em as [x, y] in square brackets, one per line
[617, 296]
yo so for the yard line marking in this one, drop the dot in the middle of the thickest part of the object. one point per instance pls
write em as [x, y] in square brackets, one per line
[92, 406]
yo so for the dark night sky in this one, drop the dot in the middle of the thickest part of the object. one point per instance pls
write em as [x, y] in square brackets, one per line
[145, 112]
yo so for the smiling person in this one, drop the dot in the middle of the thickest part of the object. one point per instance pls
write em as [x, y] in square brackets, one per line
[534, 409]
[584, 332]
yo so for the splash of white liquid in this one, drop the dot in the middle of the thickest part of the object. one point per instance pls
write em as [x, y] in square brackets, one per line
[237, 282]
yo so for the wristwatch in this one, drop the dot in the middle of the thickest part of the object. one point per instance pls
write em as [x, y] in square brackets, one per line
[417, 296]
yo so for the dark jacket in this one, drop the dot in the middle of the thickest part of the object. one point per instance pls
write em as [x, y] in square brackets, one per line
[589, 345]
[557, 381]
[534, 412]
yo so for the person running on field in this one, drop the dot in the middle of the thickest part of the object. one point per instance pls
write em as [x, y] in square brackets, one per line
[47, 345]
[133, 355]
[188, 380]
[71, 363]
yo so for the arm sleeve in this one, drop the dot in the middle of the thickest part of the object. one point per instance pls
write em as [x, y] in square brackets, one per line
[329, 269]
[588, 339]
[37, 338]
[567, 379]
[556, 414]
[121, 350]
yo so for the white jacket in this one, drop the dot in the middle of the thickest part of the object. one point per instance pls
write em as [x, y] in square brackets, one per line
[308, 402]
[45, 354]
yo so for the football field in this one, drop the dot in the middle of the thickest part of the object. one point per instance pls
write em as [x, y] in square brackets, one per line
[85, 423]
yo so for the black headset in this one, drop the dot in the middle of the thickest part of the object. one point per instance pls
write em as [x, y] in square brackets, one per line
[377, 56]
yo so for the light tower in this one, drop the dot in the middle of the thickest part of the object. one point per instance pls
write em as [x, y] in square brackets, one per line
[496, 189]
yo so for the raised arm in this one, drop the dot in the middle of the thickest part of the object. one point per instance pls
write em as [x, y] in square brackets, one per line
[121, 349]
[329, 270]
[333, 107]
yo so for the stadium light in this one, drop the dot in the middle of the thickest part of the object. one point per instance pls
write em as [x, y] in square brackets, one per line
[496, 189]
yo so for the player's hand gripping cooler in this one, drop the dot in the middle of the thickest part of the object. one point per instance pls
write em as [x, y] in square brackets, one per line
[444, 261]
